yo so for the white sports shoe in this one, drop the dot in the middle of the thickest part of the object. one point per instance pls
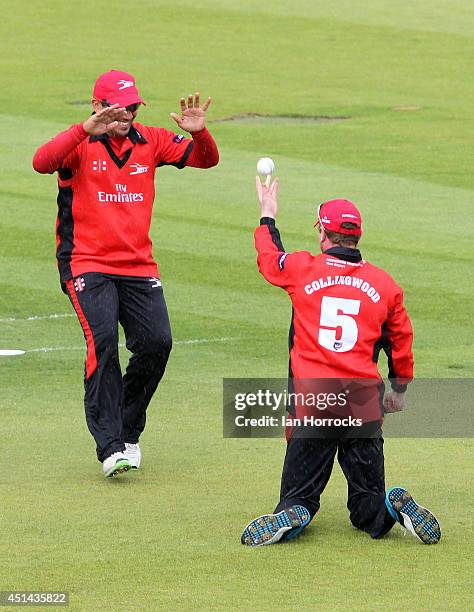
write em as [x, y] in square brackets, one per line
[117, 463]
[133, 454]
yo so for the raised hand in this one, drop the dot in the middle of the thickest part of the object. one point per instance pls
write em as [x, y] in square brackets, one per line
[193, 115]
[105, 120]
[267, 196]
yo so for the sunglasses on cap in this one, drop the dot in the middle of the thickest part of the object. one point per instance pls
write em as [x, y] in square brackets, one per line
[131, 108]
[318, 222]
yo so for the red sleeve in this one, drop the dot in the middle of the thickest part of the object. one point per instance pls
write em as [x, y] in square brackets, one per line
[204, 153]
[400, 337]
[60, 151]
[175, 150]
[274, 264]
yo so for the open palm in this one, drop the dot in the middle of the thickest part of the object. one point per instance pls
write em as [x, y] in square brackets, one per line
[193, 115]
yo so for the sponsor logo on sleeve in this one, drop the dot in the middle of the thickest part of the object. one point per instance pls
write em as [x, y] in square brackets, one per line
[178, 138]
[281, 261]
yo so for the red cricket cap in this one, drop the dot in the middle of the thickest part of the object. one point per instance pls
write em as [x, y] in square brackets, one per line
[115, 87]
[332, 214]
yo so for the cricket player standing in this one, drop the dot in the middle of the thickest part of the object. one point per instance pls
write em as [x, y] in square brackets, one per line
[337, 331]
[106, 168]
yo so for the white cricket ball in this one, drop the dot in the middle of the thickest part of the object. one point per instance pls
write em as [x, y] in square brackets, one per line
[265, 165]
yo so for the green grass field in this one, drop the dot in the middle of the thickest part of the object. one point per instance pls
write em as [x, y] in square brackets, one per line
[167, 538]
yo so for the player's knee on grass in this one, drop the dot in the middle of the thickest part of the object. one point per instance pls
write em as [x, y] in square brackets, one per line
[368, 513]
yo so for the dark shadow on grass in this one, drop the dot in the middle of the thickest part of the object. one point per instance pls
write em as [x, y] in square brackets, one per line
[262, 118]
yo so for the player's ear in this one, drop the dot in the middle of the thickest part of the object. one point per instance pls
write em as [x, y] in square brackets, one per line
[96, 105]
[322, 238]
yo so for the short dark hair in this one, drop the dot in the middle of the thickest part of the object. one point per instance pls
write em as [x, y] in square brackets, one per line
[346, 240]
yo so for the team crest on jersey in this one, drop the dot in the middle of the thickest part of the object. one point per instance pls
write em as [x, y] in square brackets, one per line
[138, 168]
[79, 284]
[99, 165]
[178, 138]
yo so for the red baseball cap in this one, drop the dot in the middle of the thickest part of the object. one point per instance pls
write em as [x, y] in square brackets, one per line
[332, 214]
[115, 87]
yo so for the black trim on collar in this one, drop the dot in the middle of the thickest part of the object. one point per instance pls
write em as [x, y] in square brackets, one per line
[133, 134]
[345, 253]
[119, 161]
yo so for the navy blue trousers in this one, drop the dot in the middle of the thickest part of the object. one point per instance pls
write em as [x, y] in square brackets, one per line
[308, 466]
[116, 403]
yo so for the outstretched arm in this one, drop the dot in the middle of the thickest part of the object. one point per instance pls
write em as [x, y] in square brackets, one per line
[275, 265]
[204, 153]
[50, 156]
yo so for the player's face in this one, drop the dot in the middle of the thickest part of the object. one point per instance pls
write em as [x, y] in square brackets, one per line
[124, 126]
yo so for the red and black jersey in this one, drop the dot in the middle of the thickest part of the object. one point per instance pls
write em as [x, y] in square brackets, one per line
[345, 310]
[106, 195]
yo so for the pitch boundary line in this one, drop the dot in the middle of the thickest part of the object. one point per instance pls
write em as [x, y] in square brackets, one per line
[37, 317]
[51, 349]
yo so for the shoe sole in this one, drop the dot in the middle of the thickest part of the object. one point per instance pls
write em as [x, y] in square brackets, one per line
[418, 520]
[270, 528]
[120, 467]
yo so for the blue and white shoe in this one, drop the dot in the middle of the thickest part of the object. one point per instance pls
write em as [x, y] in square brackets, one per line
[270, 528]
[418, 520]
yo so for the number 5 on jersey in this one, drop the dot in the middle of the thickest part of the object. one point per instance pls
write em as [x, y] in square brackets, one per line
[336, 315]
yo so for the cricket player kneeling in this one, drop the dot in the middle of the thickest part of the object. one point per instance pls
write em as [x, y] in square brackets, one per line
[345, 310]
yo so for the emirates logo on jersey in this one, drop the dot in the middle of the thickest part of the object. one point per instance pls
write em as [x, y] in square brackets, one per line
[99, 165]
[121, 195]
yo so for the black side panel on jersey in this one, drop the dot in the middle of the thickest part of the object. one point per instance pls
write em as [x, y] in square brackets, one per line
[291, 387]
[384, 343]
[65, 228]
[182, 162]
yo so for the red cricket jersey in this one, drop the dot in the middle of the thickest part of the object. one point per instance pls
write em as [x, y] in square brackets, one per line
[344, 311]
[106, 195]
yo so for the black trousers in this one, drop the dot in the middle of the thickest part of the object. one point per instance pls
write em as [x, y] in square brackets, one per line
[308, 466]
[115, 405]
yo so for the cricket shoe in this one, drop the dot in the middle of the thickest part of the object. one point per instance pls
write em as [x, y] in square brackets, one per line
[270, 528]
[117, 463]
[418, 520]
[133, 454]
